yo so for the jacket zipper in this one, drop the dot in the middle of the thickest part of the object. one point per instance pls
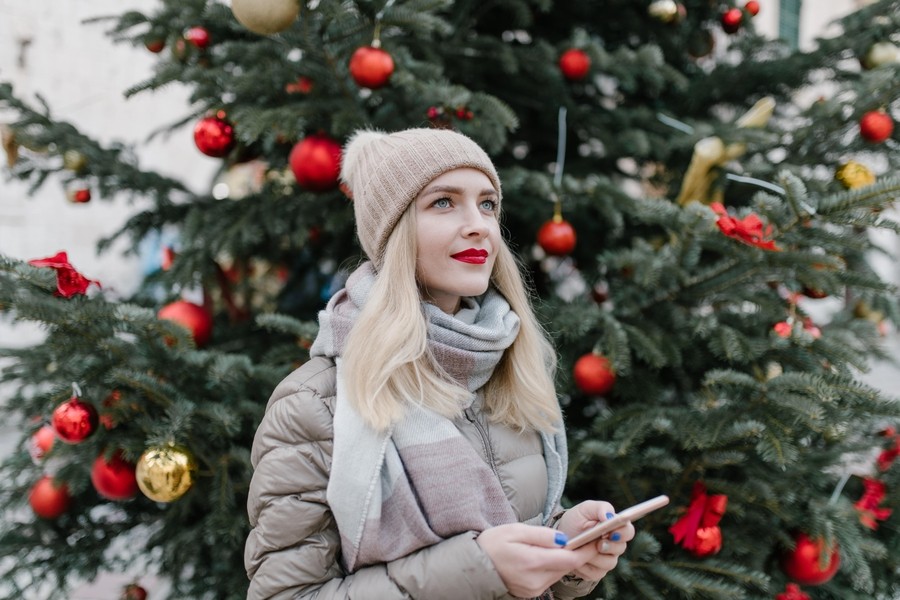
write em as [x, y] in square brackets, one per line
[485, 440]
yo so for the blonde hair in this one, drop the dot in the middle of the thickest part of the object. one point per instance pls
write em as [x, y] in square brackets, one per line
[387, 363]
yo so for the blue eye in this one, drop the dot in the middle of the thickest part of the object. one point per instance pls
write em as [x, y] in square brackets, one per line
[441, 203]
[489, 205]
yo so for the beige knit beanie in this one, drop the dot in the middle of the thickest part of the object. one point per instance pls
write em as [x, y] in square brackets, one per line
[385, 173]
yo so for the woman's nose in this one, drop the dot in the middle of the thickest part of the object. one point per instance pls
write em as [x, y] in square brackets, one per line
[475, 223]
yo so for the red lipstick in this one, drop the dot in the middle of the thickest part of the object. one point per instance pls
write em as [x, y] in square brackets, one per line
[472, 256]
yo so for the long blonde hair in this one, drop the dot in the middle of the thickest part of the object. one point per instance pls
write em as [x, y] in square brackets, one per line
[387, 363]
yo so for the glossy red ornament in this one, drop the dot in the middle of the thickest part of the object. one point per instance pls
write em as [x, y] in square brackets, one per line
[752, 7]
[114, 479]
[214, 136]
[556, 237]
[876, 126]
[575, 64]
[593, 374]
[803, 564]
[133, 591]
[80, 195]
[155, 45]
[792, 591]
[192, 317]
[198, 36]
[316, 162]
[48, 498]
[41, 442]
[74, 420]
[731, 20]
[371, 67]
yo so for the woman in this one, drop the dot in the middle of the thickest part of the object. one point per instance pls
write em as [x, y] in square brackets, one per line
[420, 452]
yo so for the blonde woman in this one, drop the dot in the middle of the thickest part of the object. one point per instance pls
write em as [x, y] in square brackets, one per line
[420, 452]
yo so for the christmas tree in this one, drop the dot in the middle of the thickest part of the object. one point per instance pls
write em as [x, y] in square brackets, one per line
[693, 203]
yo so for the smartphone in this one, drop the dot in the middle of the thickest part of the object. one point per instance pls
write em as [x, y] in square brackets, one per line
[632, 513]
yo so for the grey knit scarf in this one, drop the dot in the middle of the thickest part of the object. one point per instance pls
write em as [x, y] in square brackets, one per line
[421, 481]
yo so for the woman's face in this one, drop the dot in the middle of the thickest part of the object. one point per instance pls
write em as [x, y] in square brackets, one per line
[457, 236]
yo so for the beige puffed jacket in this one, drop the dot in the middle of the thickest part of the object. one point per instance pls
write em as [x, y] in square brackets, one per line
[293, 550]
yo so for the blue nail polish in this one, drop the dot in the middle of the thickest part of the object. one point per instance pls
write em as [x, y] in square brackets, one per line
[615, 537]
[609, 515]
[561, 538]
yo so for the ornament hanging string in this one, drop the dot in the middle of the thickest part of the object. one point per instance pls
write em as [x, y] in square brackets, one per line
[376, 37]
[560, 164]
[76, 390]
[839, 488]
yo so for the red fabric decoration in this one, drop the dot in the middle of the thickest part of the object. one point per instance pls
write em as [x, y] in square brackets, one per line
[698, 530]
[749, 230]
[792, 592]
[873, 494]
[69, 282]
[888, 455]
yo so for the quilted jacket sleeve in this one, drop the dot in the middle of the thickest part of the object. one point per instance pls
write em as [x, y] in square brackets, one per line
[293, 549]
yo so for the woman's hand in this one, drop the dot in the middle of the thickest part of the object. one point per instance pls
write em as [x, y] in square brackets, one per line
[529, 559]
[600, 556]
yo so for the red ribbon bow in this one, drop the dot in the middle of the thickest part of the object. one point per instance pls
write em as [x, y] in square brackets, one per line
[873, 495]
[749, 230]
[698, 530]
[888, 455]
[792, 592]
[69, 282]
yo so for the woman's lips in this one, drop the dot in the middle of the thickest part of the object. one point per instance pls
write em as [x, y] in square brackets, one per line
[472, 256]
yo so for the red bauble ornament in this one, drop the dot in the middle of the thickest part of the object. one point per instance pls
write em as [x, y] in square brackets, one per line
[214, 136]
[41, 442]
[198, 36]
[155, 45]
[192, 317]
[556, 237]
[803, 564]
[752, 7]
[80, 195]
[133, 591]
[876, 126]
[371, 67]
[575, 64]
[731, 20]
[114, 479]
[316, 162]
[48, 499]
[74, 420]
[593, 374]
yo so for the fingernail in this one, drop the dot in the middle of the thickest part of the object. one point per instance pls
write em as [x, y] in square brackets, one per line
[609, 515]
[561, 539]
[615, 537]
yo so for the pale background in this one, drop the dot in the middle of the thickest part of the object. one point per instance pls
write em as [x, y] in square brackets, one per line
[46, 49]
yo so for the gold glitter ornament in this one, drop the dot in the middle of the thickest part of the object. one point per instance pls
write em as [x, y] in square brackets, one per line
[165, 473]
[663, 10]
[854, 175]
[74, 160]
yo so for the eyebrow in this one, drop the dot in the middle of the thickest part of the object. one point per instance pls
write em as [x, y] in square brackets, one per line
[455, 190]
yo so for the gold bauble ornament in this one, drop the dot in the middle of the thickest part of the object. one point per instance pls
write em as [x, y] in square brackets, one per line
[664, 10]
[854, 175]
[74, 160]
[265, 16]
[165, 473]
[881, 53]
